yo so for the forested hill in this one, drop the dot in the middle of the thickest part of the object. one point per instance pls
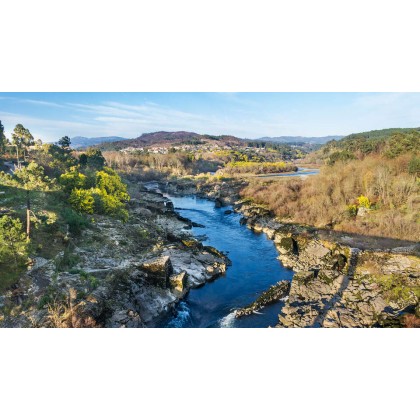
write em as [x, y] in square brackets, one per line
[390, 143]
[165, 138]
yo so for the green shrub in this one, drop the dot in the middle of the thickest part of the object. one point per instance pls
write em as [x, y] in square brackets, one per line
[414, 166]
[75, 221]
[72, 180]
[82, 201]
[352, 210]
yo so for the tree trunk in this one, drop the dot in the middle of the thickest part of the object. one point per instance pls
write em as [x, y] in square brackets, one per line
[28, 216]
[17, 157]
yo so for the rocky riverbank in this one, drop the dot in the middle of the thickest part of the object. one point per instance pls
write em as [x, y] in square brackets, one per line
[116, 274]
[340, 280]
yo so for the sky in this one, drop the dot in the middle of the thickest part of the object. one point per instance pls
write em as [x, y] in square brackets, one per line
[49, 116]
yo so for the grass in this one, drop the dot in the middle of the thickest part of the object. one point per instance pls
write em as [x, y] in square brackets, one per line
[323, 200]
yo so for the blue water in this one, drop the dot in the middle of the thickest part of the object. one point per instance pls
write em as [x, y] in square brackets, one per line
[300, 172]
[254, 269]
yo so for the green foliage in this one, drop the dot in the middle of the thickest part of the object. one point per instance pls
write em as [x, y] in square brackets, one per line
[32, 177]
[390, 143]
[107, 196]
[67, 260]
[72, 180]
[75, 221]
[92, 158]
[3, 140]
[259, 167]
[342, 156]
[13, 249]
[110, 204]
[82, 200]
[54, 159]
[414, 166]
[109, 182]
[21, 139]
[397, 288]
[352, 210]
[64, 142]
[400, 143]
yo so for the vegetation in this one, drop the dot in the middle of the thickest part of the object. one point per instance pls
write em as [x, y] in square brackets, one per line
[52, 189]
[389, 143]
[258, 167]
[384, 187]
[13, 249]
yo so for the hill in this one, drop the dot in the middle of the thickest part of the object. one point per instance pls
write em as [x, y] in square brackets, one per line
[171, 138]
[300, 139]
[389, 143]
[80, 141]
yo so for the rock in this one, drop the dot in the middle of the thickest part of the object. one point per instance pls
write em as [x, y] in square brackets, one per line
[303, 276]
[362, 211]
[287, 245]
[178, 282]
[144, 212]
[218, 203]
[228, 211]
[273, 294]
[158, 271]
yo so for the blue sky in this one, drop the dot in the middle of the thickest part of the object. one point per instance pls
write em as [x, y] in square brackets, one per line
[50, 116]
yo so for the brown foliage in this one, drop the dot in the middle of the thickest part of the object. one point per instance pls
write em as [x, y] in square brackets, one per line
[322, 200]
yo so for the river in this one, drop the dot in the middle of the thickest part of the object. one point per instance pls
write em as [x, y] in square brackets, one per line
[254, 269]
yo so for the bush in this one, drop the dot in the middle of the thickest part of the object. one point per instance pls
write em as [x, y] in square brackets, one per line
[352, 210]
[72, 180]
[75, 221]
[82, 200]
[364, 202]
[414, 166]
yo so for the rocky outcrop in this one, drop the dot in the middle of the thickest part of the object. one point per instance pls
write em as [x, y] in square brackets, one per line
[178, 283]
[157, 271]
[272, 295]
[335, 283]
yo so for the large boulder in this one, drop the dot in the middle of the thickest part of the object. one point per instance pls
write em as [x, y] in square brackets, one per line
[158, 271]
[178, 282]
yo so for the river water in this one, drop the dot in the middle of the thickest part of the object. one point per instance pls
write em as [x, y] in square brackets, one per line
[254, 269]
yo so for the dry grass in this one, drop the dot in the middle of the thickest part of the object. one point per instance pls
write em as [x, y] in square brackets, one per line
[322, 200]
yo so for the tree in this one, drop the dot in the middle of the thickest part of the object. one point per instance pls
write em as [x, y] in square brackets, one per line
[64, 143]
[12, 241]
[92, 158]
[3, 140]
[21, 139]
[32, 178]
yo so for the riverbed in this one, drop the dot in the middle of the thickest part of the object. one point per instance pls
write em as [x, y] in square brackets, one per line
[254, 269]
